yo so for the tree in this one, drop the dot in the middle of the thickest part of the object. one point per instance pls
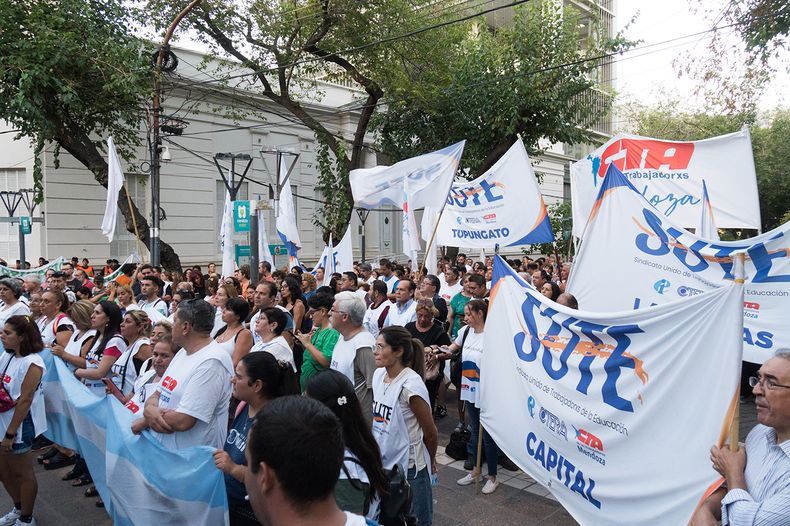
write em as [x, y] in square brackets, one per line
[286, 45]
[770, 145]
[70, 74]
[561, 217]
[532, 79]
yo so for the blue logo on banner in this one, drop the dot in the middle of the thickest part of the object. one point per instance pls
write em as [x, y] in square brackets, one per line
[661, 285]
[531, 406]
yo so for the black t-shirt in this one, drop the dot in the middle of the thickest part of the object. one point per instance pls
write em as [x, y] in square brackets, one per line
[436, 335]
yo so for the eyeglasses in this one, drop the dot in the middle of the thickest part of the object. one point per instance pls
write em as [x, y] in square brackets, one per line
[767, 383]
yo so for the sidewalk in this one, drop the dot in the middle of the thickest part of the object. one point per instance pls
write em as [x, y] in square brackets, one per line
[519, 500]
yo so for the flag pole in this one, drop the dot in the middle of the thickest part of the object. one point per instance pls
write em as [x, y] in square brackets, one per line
[479, 464]
[134, 219]
[433, 235]
[736, 417]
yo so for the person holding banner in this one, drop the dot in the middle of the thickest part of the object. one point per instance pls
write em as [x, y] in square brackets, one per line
[22, 414]
[402, 418]
[757, 476]
[470, 344]
[108, 346]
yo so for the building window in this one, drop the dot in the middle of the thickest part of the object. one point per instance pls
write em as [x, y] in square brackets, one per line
[124, 243]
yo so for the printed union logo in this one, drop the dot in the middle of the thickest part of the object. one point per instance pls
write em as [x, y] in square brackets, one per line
[588, 439]
[750, 305]
[685, 291]
[661, 285]
[751, 309]
[531, 406]
[169, 383]
[459, 220]
[553, 423]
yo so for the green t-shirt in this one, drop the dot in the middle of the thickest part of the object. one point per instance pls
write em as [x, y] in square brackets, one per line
[324, 340]
[457, 305]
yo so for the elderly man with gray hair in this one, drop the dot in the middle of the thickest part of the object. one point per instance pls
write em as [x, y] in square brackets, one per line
[189, 407]
[757, 476]
[353, 353]
[32, 284]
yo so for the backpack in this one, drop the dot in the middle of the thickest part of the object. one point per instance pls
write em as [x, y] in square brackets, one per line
[396, 504]
[456, 449]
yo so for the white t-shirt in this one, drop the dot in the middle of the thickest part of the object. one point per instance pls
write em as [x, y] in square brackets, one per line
[471, 356]
[398, 316]
[277, 347]
[17, 309]
[372, 315]
[49, 328]
[392, 283]
[156, 310]
[12, 381]
[448, 291]
[345, 352]
[353, 519]
[197, 385]
[115, 346]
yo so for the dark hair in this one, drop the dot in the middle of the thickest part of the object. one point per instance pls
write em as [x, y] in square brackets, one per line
[244, 270]
[185, 294]
[399, 338]
[278, 378]
[128, 268]
[29, 335]
[555, 290]
[275, 315]
[297, 271]
[239, 307]
[269, 285]
[477, 279]
[478, 305]
[198, 313]
[435, 283]
[412, 285]
[301, 440]
[113, 313]
[568, 299]
[321, 300]
[543, 274]
[333, 389]
[379, 287]
[295, 288]
[156, 281]
[266, 266]
[352, 276]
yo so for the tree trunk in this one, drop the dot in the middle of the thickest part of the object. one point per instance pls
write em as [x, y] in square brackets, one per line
[79, 145]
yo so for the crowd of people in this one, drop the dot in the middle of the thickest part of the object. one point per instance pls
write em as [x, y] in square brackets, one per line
[202, 359]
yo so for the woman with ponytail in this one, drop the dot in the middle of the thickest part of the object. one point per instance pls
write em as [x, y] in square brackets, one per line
[259, 379]
[362, 478]
[402, 421]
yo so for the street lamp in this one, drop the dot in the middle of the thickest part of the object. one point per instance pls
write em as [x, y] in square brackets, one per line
[11, 201]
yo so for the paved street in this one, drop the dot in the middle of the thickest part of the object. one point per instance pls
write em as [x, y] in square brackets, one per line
[519, 501]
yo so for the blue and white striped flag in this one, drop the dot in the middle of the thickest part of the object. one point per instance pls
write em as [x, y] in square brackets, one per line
[139, 480]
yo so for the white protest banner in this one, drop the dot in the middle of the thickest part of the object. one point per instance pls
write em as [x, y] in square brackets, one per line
[614, 413]
[115, 179]
[287, 228]
[226, 238]
[342, 259]
[501, 207]
[669, 174]
[426, 178]
[633, 257]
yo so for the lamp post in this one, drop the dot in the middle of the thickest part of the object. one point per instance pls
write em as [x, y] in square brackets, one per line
[278, 179]
[11, 201]
[363, 216]
[232, 186]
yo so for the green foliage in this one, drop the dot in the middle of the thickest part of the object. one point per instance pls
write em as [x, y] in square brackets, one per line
[770, 144]
[531, 78]
[561, 216]
[333, 215]
[762, 23]
[71, 65]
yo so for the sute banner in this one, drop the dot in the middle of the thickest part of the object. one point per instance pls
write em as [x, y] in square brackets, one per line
[614, 414]
[633, 257]
[501, 207]
[669, 174]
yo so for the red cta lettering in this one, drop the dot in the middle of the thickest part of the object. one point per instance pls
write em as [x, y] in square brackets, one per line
[628, 154]
[169, 383]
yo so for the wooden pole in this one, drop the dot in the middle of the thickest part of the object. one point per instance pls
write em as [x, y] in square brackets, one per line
[134, 219]
[740, 278]
[430, 241]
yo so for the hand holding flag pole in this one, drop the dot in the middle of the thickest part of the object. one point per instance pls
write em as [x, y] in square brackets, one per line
[740, 278]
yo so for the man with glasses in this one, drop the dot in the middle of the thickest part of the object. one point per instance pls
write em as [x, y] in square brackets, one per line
[757, 476]
[353, 353]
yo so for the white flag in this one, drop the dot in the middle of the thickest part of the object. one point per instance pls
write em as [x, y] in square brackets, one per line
[426, 179]
[330, 267]
[411, 237]
[263, 240]
[337, 258]
[114, 185]
[287, 227]
[707, 226]
[226, 238]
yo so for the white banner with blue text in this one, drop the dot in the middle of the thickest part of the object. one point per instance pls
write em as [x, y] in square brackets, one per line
[613, 413]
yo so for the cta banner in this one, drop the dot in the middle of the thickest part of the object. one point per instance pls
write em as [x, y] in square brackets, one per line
[501, 207]
[139, 480]
[669, 175]
[38, 271]
[615, 414]
[423, 180]
[634, 257]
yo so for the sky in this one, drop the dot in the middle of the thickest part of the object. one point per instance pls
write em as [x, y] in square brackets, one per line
[642, 78]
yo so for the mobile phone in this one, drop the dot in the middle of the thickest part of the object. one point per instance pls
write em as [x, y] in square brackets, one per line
[114, 390]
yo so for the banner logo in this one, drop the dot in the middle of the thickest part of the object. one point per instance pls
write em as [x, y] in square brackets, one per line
[661, 285]
[553, 423]
[650, 154]
[684, 291]
[531, 406]
[489, 193]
